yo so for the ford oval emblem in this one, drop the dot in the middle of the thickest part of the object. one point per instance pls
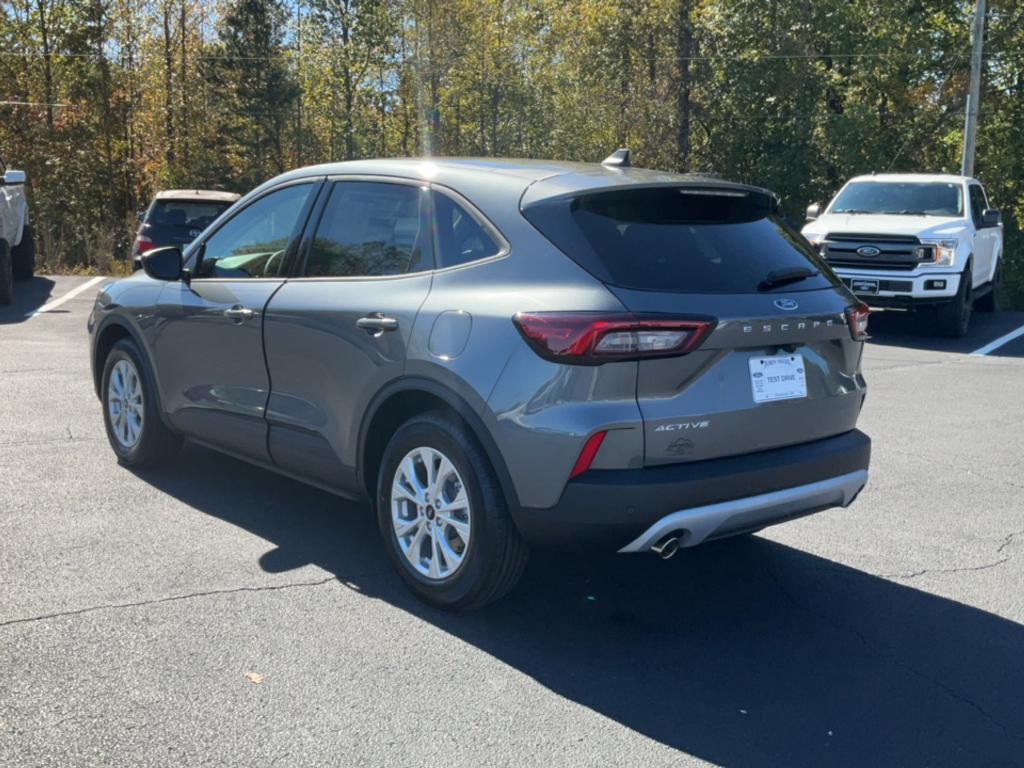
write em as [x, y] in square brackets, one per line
[868, 250]
[787, 304]
[193, 233]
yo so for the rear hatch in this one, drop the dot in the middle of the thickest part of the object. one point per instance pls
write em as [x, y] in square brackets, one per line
[779, 366]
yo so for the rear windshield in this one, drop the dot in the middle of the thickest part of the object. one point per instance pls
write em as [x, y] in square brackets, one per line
[679, 239]
[195, 214]
[900, 198]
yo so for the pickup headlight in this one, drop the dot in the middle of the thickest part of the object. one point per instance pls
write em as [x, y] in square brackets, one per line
[943, 252]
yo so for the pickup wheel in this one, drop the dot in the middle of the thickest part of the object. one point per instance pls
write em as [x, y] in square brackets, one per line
[131, 413]
[954, 317]
[990, 301]
[443, 517]
[23, 257]
[6, 275]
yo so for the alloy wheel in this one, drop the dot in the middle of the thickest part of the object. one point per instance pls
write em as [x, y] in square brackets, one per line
[430, 513]
[125, 404]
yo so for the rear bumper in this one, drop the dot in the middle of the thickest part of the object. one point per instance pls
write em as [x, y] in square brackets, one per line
[628, 510]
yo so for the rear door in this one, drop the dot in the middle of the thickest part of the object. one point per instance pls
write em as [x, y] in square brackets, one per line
[338, 332]
[780, 366]
[209, 341]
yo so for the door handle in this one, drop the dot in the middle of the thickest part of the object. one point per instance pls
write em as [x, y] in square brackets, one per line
[239, 313]
[377, 324]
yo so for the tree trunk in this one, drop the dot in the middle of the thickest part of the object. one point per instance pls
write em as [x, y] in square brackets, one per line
[684, 53]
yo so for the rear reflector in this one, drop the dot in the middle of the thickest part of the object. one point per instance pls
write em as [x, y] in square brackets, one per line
[588, 454]
[593, 338]
[143, 244]
[857, 319]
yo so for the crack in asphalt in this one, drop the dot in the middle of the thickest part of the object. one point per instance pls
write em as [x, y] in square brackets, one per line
[891, 657]
[69, 438]
[961, 569]
[169, 599]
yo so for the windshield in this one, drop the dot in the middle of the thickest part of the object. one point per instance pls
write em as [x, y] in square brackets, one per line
[901, 198]
[195, 214]
[682, 240]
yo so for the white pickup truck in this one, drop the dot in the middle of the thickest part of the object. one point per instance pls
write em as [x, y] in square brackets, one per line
[914, 241]
[17, 241]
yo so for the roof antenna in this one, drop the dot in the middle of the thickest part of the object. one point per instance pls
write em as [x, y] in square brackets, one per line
[617, 159]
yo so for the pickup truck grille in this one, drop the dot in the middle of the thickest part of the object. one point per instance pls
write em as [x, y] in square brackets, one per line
[896, 252]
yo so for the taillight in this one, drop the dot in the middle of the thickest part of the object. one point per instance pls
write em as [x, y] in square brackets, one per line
[143, 244]
[857, 319]
[593, 338]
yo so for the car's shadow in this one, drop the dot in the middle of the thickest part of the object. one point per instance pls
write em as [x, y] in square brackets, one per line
[742, 653]
[916, 330]
[29, 295]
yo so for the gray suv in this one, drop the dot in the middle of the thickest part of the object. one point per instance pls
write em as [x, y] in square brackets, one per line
[497, 352]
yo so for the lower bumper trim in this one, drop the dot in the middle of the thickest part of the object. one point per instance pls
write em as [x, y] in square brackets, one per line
[699, 524]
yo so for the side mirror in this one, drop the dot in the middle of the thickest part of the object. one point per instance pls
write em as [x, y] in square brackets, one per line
[163, 263]
[14, 177]
[813, 211]
[990, 217]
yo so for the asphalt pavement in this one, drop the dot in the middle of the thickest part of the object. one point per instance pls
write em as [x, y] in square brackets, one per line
[213, 613]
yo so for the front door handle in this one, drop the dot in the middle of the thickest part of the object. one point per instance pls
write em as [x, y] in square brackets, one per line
[239, 313]
[377, 324]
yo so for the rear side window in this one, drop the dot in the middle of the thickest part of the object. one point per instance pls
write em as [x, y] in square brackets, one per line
[678, 239]
[460, 237]
[369, 229]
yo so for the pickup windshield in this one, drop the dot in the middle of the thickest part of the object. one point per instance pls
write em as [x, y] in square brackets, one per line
[901, 198]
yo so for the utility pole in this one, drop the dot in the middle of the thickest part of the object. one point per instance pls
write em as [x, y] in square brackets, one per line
[974, 94]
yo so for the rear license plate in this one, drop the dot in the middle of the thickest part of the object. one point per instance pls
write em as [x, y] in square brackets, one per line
[780, 377]
[864, 286]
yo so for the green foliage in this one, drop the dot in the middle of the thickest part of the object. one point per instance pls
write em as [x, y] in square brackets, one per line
[118, 98]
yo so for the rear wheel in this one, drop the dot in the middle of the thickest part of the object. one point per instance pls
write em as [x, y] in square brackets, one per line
[990, 301]
[130, 411]
[443, 516]
[954, 317]
[6, 276]
[23, 257]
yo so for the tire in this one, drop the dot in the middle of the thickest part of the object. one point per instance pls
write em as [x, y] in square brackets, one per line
[954, 317]
[6, 275]
[491, 561]
[151, 443]
[990, 301]
[23, 258]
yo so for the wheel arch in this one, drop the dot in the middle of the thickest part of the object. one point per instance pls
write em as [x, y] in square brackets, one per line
[404, 398]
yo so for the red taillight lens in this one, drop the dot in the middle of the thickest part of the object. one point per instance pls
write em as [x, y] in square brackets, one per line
[592, 338]
[143, 244]
[587, 455]
[857, 319]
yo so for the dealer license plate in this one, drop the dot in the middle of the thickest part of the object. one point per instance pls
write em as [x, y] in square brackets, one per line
[780, 377]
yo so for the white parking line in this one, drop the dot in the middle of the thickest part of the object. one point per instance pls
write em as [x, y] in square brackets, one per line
[993, 345]
[52, 305]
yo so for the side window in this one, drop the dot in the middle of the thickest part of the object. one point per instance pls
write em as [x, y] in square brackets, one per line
[370, 229]
[254, 241]
[978, 204]
[460, 238]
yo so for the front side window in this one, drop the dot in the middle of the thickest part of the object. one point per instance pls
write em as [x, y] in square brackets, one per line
[253, 242]
[978, 205]
[460, 237]
[901, 198]
[370, 229]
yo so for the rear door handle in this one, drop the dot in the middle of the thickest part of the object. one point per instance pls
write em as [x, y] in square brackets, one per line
[239, 313]
[377, 324]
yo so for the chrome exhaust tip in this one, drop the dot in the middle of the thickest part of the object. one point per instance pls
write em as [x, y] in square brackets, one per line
[667, 547]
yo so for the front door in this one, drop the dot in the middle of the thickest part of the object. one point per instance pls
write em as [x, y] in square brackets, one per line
[984, 238]
[208, 345]
[338, 332]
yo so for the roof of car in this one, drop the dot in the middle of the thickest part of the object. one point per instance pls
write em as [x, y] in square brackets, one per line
[197, 194]
[942, 178]
[541, 178]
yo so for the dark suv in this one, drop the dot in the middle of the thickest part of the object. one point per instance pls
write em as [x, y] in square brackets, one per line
[177, 217]
[498, 351]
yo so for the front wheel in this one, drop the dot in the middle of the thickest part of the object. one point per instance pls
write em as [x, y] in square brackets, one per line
[954, 317]
[23, 257]
[130, 411]
[443, 516]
